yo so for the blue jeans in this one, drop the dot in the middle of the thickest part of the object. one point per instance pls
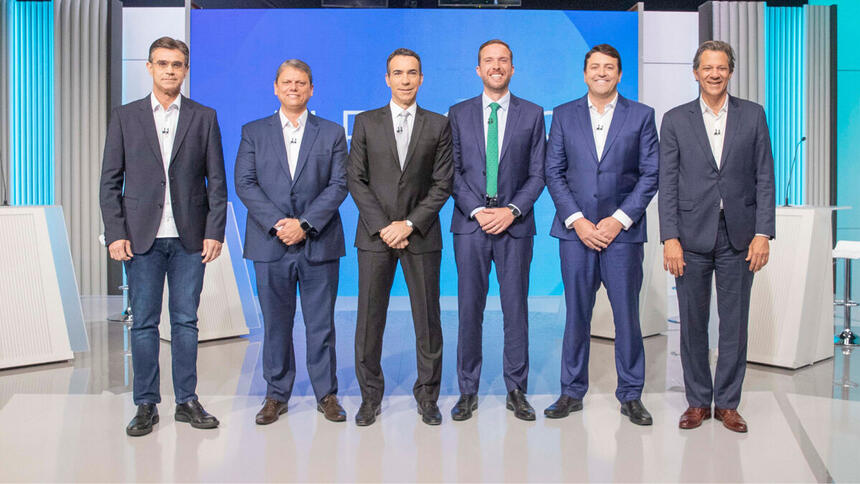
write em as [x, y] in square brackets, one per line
[146, 272]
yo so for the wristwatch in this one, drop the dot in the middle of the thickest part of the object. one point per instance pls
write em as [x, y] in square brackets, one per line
[409, 224]
[514, 210]
[307, 227]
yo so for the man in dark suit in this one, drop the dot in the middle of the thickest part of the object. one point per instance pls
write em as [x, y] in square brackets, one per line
[717, 216]
[291, 175]
[601, 171]
[400, 173]
[499, 142]
[164, 202]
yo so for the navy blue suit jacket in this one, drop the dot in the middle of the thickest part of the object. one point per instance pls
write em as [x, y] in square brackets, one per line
[264, 185]
[133, 182]
[521, 158]
[624, 178]
[691, 185]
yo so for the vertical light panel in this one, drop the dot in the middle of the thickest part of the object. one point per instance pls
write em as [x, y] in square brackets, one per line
[31, 101]
[785, 65]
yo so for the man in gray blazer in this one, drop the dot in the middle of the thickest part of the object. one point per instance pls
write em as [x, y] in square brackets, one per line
[716, 217]
[163, 198]
[400, 174]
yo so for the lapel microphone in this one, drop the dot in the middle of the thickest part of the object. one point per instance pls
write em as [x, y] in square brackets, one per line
[165, 130]
[399, 129]
[292, 141]
[717, 132]
[599, 127]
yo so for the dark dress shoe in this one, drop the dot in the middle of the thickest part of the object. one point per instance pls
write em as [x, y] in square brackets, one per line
[693, 417]
[331, 409]
[636, 412]
[430, 413]
[144, 419]
[272, 409]
[731, 419]
[464, 407]
[517, 402]
[367, 413]
[563, 406]
[194, 413]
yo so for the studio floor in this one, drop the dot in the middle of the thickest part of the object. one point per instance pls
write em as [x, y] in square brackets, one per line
[65, 421]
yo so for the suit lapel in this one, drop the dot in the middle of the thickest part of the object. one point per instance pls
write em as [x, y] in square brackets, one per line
[387, 123]
[618, 118]
[513, 115]
[186, 115]
[413, 139]
[308, 138]
[698, 125]
[277, 138]
[147, 122]
[583, 119]
[477, 123]
[733, 121]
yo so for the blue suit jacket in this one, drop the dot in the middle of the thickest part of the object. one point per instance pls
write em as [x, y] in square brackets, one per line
[624, 178]
[691, 185]
[521, 158]
[264, 185]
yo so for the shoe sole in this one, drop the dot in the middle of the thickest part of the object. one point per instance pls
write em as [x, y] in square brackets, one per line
[340, 418]
[371, 421]
[466, 416]
[637, 422]
[139, 433]
[280, 412]
[528, 418]
[184, 419]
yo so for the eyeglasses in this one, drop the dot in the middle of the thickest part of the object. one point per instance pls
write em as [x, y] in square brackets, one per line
[163, 64]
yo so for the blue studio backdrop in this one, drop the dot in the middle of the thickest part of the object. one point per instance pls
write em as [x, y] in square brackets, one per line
[234, 55]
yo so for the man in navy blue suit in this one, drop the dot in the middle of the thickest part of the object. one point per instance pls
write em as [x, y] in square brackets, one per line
[291, 174]
[499, 143]
[601, 171]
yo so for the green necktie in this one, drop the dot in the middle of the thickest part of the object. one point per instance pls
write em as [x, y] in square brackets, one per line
[493, 151]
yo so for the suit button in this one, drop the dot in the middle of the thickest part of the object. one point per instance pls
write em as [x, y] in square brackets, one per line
[484, 172]
[595, 195]
[163, 184]
[160, 205]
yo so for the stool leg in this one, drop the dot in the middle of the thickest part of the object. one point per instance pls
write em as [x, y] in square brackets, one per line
[847, 337]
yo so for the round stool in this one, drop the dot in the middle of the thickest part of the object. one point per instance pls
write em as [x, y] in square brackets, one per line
[848, 250]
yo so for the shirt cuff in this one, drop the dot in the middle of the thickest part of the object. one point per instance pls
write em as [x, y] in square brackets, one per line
[763, 235]
[622, 217]
[472, 215]
[568, 222]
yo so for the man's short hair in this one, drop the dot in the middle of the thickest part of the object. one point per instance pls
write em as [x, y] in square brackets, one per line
[295, 64]
[719, 46]
[604, 49]
[169, 43]
[491, 42]
[403, 51]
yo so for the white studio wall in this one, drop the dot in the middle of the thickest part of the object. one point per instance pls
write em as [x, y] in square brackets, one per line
[140, 27]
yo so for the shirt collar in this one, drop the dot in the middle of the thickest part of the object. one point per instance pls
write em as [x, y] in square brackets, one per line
[396, 110]
[157, 105]
[609, 105]
[503, 101]
[286, 122]
[706, 108]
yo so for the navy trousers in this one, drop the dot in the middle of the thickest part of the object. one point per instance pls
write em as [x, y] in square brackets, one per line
[619, 268]
[734, 284]
[146, 273]
[276, 285]
[474, 253]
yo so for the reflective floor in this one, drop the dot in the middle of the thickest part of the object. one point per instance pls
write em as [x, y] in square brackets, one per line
[65, 421]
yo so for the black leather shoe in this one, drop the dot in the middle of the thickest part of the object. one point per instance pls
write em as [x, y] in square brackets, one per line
[430, 413]
[517, 402]
[141, 424]
[563, 406]
[194, 413]
[367, 413]
[636, 412]
[464, 407]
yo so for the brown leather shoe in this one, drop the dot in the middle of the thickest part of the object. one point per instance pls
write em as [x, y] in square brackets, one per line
[731, 419]
[693, 417]
[270, 412]
[331, 409]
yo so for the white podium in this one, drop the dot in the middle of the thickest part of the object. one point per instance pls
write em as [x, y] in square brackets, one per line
[41, 319]
[791, 309]
[227, 304]
[652, 298]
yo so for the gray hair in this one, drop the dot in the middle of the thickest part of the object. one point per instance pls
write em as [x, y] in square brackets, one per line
[719, 46]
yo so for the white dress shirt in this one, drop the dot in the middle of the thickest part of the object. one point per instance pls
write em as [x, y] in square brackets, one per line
[410, 121]
[600, 123]
[715, 127]
[504, 103]
[293, 138]
[165, 128]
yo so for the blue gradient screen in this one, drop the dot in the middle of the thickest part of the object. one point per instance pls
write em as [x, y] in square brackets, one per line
[234, 55]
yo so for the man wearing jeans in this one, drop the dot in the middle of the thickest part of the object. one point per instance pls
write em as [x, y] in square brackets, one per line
[163, 197]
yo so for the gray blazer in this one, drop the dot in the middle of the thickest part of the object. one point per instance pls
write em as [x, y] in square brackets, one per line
[132, 184]
[691, 185]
